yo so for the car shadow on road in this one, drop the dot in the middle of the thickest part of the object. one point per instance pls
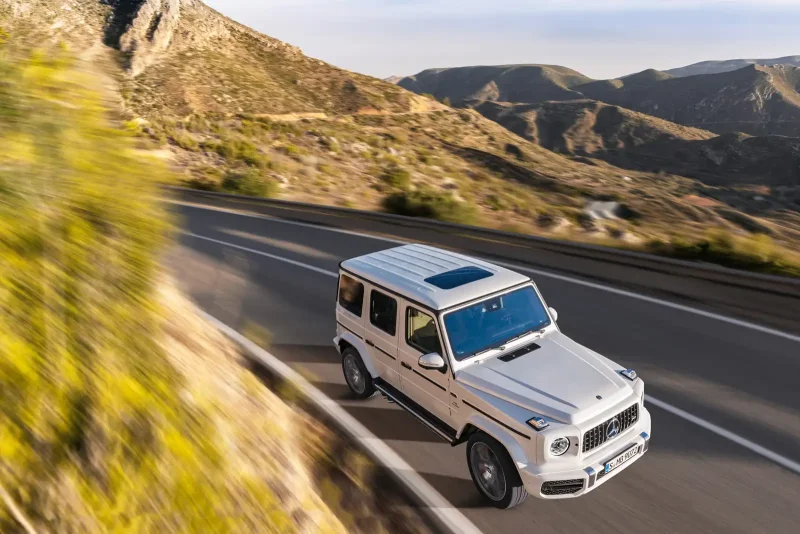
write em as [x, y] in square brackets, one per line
[377, 414]
[460, 492]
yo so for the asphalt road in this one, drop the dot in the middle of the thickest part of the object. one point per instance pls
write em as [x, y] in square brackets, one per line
[692, 480]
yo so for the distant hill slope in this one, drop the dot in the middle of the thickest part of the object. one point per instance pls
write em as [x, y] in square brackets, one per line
[717, 67]
[756, 100]
[513, 83]
[638, 141]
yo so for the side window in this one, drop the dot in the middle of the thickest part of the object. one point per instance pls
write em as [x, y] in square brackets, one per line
[351, 295]
[383, 312]
[421, 332]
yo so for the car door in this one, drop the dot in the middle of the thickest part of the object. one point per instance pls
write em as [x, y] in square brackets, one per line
[380, 335]
[428, 388]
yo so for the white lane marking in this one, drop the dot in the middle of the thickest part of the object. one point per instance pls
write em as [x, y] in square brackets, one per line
[711, 427]
[284, 221]
[791, 465]
[569, 279]
[265, 254]
[446, 514]
[653, 300]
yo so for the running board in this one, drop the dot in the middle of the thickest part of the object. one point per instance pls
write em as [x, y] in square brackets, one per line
[436, 425]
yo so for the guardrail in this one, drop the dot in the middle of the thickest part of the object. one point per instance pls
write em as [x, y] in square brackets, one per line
[711, 284]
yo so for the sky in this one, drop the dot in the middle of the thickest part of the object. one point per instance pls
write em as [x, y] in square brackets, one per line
[600, 38]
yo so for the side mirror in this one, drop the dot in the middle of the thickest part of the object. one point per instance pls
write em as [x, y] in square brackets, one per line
[554, 314]
[432, 361]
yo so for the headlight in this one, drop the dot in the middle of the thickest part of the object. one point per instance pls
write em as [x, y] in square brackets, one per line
[559, 446]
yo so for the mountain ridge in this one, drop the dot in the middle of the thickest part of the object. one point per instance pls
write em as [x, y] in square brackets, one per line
[727, 65]
[756, 100]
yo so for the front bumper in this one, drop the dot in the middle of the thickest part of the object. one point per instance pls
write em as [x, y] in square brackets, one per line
[591, 469]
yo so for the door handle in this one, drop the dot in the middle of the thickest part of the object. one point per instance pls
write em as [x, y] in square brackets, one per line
[370, 343]
[404, 364]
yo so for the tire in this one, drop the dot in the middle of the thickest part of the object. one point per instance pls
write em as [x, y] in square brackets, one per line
[358, 378]
[493, 472]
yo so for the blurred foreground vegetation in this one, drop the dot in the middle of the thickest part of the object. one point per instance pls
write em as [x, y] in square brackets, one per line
[109, 420]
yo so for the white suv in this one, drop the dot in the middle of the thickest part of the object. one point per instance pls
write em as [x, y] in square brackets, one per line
[472, 351]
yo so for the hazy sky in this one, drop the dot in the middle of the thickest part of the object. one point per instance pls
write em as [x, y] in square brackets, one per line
[600, 38]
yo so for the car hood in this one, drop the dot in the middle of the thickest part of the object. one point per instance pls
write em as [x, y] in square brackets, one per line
[560, 379]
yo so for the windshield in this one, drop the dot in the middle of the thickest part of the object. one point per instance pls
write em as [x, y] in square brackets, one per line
[494, 322]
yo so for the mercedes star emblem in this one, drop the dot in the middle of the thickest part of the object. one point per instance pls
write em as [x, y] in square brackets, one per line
[613, 428]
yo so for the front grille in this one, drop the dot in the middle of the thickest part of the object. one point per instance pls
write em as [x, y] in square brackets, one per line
[599, 434]
[562, 487]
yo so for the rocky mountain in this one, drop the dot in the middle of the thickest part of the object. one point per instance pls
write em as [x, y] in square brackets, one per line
[632, 140]
[716, 67]
[183, 57]
[514, 83]
[756, 100]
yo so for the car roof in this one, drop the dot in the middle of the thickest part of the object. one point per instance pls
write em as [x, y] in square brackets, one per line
[407, 271]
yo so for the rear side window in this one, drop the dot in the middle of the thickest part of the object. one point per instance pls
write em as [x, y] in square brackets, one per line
[351, 295]
[383, 312]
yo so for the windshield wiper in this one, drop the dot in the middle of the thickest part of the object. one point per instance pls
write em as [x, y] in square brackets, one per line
[526, 333]
[502, 346]
[484, 351]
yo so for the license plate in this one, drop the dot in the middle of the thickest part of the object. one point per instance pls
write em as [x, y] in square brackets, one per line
[622, 458]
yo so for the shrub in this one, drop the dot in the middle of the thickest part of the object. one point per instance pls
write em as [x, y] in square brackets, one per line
[184, 140]
[495, 203]
[294, 151]
[250, 183]
[431, 205]
[757, 253]
[397, 177]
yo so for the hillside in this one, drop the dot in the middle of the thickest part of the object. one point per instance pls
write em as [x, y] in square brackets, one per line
[717, 67]
[632, 140]
[755, 100]
[236, 111]
[514, 83]
[183, 57]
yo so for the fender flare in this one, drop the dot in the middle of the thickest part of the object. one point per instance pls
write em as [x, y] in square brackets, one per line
[358, 344]
[484, 424]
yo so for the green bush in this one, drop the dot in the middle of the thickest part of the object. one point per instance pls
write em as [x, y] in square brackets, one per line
[496, 202]
[234, 149]
[397, 177]
[431, 205]
[250, 183]
[756, 252]
[185, 140]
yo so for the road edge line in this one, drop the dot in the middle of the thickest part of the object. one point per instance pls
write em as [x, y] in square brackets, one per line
[444, 514]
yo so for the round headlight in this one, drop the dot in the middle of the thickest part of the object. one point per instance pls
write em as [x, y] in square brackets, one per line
[559, 446]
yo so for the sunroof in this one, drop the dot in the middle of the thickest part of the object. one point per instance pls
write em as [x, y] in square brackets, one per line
[458, 277]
